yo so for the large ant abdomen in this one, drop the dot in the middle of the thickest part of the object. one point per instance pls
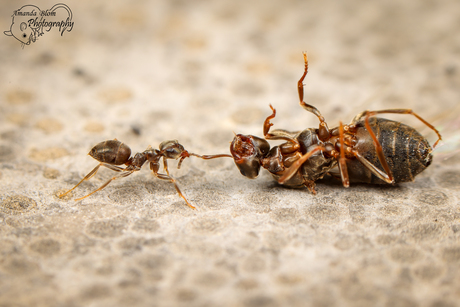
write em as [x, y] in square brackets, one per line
[112, 152]
[406, 151]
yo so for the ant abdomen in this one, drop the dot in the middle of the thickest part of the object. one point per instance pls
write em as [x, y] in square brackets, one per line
[112, 152]
[406, 151]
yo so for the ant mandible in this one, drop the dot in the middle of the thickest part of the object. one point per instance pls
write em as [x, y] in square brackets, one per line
[369, 149]
[113, 153]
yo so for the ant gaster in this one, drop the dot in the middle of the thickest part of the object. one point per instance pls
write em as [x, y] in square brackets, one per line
[369, 149]
[113, 153]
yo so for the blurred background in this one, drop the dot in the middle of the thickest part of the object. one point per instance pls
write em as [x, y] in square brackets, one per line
[199, 71]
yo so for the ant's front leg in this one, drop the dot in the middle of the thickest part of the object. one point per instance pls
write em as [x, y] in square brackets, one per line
[267, 123]
[155, 168]
[277, 134]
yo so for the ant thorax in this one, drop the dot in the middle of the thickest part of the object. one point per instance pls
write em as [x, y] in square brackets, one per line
[318, 164]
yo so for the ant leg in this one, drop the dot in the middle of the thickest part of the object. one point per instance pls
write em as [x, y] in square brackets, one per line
[281, 134]
[404, 111]
[300, 86]
[277, 134]
[388, 176]
[267, 123]
[155, 167]
[121, 175]
[114, 167]
[311, 186]
[323, 132]
[87, 177]
[297, 164]
[92, 173]
[173, 181]
[342, 163]
[165, 165]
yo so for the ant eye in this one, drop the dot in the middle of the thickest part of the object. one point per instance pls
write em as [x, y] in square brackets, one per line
[24, 35]
[173, 152]
[172, 149]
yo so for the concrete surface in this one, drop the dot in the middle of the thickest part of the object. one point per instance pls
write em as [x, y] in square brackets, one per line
[197, 71]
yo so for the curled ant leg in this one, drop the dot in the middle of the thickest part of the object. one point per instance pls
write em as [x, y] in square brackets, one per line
[267, 123]
[277, 134]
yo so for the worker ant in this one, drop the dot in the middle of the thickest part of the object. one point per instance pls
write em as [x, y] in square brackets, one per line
[113, 153]
[369, 149]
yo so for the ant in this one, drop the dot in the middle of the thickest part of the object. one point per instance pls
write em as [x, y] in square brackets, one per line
[369, 150]
[113, 153]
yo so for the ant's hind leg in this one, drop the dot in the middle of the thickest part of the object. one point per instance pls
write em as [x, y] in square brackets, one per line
[121, 175]
[387, 175]
[87, 177]
[92, 173]
[400, 111]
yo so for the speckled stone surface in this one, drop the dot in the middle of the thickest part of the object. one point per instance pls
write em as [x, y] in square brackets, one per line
[197, 71]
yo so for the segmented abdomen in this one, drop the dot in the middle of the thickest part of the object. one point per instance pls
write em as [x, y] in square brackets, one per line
[406, 151]
[111, 152]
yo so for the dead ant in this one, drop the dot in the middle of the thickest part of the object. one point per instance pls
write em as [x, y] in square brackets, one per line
[112, 153]
[369, 149]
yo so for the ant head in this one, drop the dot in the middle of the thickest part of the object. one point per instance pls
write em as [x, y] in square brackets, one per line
[172, 149]
[247, 151]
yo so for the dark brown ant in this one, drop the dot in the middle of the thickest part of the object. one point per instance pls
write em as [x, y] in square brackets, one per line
[112, 153]
[369, 149]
